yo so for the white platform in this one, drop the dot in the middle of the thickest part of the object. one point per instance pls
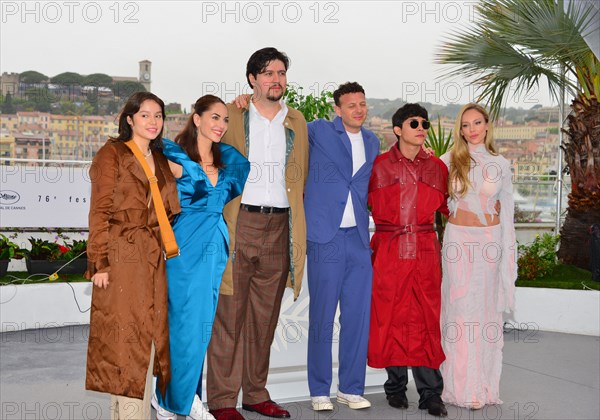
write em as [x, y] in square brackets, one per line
[33, 306]
[567, 311]
[40, 306]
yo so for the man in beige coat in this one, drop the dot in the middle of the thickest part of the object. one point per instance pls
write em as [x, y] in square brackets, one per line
[267, 233]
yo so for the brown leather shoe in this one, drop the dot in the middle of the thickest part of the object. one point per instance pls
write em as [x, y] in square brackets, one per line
[267, 408]
[226, 414]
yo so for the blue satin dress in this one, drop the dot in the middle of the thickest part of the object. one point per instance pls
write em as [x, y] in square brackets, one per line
[194, 277]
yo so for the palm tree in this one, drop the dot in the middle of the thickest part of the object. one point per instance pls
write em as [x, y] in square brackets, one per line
[519, 43]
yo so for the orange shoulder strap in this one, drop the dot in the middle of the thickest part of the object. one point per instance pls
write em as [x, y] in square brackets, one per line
[166, 231]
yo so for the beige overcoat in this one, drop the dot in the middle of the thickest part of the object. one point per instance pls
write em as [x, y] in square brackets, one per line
[296, 173]
[125, 241]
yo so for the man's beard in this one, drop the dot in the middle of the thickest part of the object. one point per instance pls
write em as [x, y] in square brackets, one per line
[275, 98]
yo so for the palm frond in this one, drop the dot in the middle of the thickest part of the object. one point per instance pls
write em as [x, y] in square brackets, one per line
[499, 69]
[517, 44]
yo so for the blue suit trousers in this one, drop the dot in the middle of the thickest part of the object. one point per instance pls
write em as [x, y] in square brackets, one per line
[339, 271]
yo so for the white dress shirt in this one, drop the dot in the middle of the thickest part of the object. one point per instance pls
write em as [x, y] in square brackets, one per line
[358, 160]
[265, 185]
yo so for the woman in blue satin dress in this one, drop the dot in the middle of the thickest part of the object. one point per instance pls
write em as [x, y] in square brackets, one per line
[209, 174]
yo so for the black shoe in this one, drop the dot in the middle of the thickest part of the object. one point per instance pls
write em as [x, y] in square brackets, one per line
[398, 400]
[434, 406]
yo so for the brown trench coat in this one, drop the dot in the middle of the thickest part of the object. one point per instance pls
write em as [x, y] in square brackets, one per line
[124, 240]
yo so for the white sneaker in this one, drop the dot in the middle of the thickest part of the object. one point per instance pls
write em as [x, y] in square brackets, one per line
[355, 402]
[161, 413]
[198, 411]
[321, 404]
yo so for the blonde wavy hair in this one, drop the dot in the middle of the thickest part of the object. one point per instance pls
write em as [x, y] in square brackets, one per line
[460, 157]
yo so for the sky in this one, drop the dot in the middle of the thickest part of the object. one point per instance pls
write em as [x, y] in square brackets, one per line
[200, 47]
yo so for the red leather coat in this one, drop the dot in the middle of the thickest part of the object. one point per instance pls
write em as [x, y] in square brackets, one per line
[406, 299]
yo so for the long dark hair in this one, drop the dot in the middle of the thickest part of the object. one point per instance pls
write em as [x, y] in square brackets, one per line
[132, 106]
[188, 137]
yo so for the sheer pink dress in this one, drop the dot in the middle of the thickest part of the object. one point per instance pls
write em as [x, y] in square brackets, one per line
[479, 272]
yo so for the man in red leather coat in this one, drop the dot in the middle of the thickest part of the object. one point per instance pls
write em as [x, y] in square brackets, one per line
[407, 186]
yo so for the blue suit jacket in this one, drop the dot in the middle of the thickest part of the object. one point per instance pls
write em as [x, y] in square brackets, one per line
[330, 178]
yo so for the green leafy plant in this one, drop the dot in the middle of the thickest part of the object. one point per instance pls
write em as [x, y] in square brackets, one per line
[42, 249]
[312, 107]
[438, 140]
[538, 259]
[77, 249]
[10, 250]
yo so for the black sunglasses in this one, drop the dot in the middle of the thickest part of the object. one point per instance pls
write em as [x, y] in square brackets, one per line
[415, 124]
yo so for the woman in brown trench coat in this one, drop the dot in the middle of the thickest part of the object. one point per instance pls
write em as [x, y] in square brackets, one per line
[129, 337]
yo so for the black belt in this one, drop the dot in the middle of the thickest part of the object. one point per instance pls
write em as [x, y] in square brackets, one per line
[263, 209]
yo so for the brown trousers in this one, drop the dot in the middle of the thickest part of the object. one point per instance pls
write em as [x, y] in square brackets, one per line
[244, 326]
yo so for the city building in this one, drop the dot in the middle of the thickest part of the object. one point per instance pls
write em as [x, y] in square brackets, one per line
[11, 83]
[32, 146]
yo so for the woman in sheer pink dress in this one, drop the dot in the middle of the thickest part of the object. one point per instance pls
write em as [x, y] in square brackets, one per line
[479, 263]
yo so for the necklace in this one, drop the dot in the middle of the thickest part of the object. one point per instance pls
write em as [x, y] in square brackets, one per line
[148, 154]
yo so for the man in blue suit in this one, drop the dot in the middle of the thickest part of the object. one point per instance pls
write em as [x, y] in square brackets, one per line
[339, 257]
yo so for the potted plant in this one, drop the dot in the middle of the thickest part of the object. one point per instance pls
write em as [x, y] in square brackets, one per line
[9, 250]
[538, 259]
[47, 257]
